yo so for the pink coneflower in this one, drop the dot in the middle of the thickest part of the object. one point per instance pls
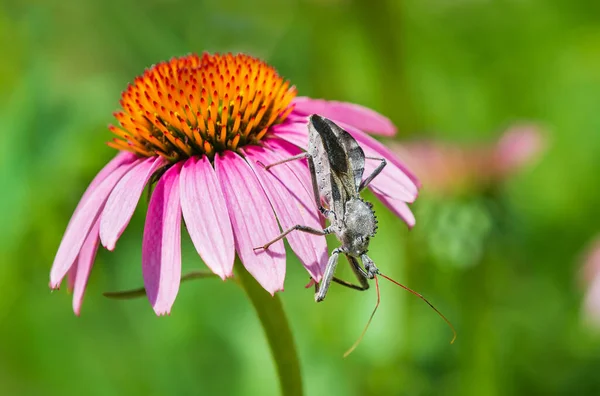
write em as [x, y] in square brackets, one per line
[197, 127]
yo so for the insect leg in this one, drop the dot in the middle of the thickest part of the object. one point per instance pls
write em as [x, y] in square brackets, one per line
[297, 227]
[283, 161]
[311, 166]
[361, 275]
[323, 287]
[373, 174]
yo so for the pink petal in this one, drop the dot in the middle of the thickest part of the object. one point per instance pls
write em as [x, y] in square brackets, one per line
[399, 208]
[85, 260]
[122, 158]
[375, 148]
[293, 132]
[293, 205]
[124, 198]
[206, 217]
[71, 277]
[84, 217]
[297, 117]
[390, 182]
[161, 247]
[353, 114]
[253, 221]
[393, 180]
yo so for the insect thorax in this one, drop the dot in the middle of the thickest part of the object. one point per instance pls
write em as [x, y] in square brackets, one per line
[360, 224]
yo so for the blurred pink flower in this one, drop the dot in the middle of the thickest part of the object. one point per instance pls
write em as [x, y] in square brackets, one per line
[198, 126]
[446, 167]
[591, 280]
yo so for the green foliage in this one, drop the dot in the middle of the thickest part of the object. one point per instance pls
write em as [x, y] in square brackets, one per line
[503, 266]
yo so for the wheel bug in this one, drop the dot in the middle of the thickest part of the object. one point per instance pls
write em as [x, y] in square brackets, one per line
[336, 163]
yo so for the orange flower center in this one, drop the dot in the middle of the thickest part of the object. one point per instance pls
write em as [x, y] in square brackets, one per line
[201, 105]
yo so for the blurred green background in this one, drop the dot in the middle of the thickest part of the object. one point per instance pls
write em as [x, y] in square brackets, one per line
[503, 264]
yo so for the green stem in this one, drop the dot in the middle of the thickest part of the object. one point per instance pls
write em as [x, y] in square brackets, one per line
[278, 332]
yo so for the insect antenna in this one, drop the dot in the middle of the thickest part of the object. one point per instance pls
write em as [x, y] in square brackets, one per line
[353, 347]
[424, 299]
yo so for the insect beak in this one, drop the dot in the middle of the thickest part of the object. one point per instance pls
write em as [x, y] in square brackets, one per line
[369, 265]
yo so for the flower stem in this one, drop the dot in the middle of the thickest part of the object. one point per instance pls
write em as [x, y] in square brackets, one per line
[278, 332]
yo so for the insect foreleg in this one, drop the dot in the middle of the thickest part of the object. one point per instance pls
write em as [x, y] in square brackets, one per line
[348, 284]
[373, 174]
[311, 167]
[323, 287]
[283, 161]
[297, 227]
[361, 275]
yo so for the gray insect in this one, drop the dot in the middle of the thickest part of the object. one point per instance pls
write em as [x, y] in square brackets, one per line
[336, 163]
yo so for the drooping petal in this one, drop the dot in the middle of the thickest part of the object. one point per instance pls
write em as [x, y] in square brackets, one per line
[123, 157]
[293, 206]
[392, 181]
[84, 217]
[376, 148]
[293, 132]
[252, 220]
[397, 206]
[85, 260]
[123, 199]
[353, 114]
[71, 274]
[161, 247]
[206, 216]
